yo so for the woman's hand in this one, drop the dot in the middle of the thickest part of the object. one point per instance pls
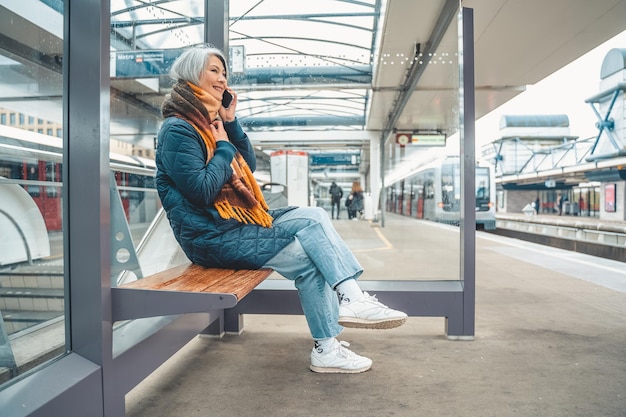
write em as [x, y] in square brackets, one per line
[217, 129]
[228, 115]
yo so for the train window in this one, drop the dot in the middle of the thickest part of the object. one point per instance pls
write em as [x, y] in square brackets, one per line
[51, 176]
[32, 172]
[500, 199]
[482, 183]
[34, 190]
[429, 189]
[450, 188]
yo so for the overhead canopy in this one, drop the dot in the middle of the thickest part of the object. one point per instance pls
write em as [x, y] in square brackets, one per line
[322, 66]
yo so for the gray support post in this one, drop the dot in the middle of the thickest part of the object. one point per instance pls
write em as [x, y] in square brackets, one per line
[233, 321]
[86, 191]
[468, 177]
[216, 328]
[216, 24]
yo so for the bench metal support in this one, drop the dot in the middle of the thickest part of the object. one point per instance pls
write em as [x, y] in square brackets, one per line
[142, 357]
[416, 298]
[123, 253]
[134, 303]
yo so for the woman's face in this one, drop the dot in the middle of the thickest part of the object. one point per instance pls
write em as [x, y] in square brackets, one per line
[213, 78]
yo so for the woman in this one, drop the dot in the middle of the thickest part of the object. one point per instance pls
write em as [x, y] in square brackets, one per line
[354, 202]
[219, 217]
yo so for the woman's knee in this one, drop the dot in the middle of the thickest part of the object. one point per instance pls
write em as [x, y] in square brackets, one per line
[316, 213]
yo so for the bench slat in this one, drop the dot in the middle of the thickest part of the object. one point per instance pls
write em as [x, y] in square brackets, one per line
[196, 278]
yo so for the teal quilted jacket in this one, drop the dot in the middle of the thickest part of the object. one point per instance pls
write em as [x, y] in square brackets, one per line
[187, 186]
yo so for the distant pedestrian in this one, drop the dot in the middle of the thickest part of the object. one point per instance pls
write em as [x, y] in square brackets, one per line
[335, 199]
[354, 202]
[537, 206]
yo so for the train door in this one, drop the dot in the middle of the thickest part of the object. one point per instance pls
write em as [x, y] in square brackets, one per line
[410, 200]
[390, 199]
[51, 196]
[419, 209]
[46, 196]
[121, 179]
[400, 206]
[430, 204]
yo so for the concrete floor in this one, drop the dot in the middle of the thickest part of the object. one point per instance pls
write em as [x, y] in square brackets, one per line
[550, 341]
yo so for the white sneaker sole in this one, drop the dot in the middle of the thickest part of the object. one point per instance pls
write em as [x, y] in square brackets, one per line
[324, 370]
[358, 323]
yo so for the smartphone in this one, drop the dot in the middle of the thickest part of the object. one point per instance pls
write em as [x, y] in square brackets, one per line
[227, 98]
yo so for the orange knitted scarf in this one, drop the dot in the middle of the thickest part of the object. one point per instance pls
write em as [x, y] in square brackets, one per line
[241, 197]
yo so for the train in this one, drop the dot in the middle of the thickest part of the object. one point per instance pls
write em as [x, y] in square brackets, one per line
[433, 192]
[34, 161]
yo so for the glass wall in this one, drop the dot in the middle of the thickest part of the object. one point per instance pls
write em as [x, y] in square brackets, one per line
[291, 81]
[422, 166]
[32, 300]
[287, 79]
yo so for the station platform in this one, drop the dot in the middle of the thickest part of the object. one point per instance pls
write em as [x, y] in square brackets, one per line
[590, 235]
[550, 340]
[581, 222]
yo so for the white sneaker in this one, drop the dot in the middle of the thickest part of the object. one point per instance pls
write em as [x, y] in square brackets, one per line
[338, 360]
[368, 313]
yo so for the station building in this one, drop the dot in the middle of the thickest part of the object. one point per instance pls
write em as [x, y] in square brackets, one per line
[539, 163]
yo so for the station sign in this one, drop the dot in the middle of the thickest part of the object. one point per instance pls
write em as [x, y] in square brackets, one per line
[428, 139]
[142, 63]
[157, 62]
[420, 139]
[237, 59]
[336, 159]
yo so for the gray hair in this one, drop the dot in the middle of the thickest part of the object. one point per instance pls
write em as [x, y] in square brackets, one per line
[190, 64]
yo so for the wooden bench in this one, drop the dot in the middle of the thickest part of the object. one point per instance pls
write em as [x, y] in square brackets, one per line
[188, 288]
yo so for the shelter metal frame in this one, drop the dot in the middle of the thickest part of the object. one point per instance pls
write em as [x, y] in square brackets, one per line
[606, 124]
[91, 379]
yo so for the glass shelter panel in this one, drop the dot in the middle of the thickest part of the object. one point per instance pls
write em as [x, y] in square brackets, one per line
[422, 165]
[302, 67]
[32, 300]
[295, 66]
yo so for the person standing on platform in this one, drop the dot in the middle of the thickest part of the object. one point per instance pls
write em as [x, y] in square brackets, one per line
[537, 205]
[354, 202]
[220, 219]
[335, 199]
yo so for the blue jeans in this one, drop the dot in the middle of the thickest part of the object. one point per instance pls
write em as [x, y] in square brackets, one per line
[317, 260]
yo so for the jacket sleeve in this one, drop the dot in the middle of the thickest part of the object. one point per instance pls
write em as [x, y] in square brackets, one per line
[240, 139]
[182, 157]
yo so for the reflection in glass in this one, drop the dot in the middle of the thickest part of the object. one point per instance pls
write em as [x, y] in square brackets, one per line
[32, 303]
